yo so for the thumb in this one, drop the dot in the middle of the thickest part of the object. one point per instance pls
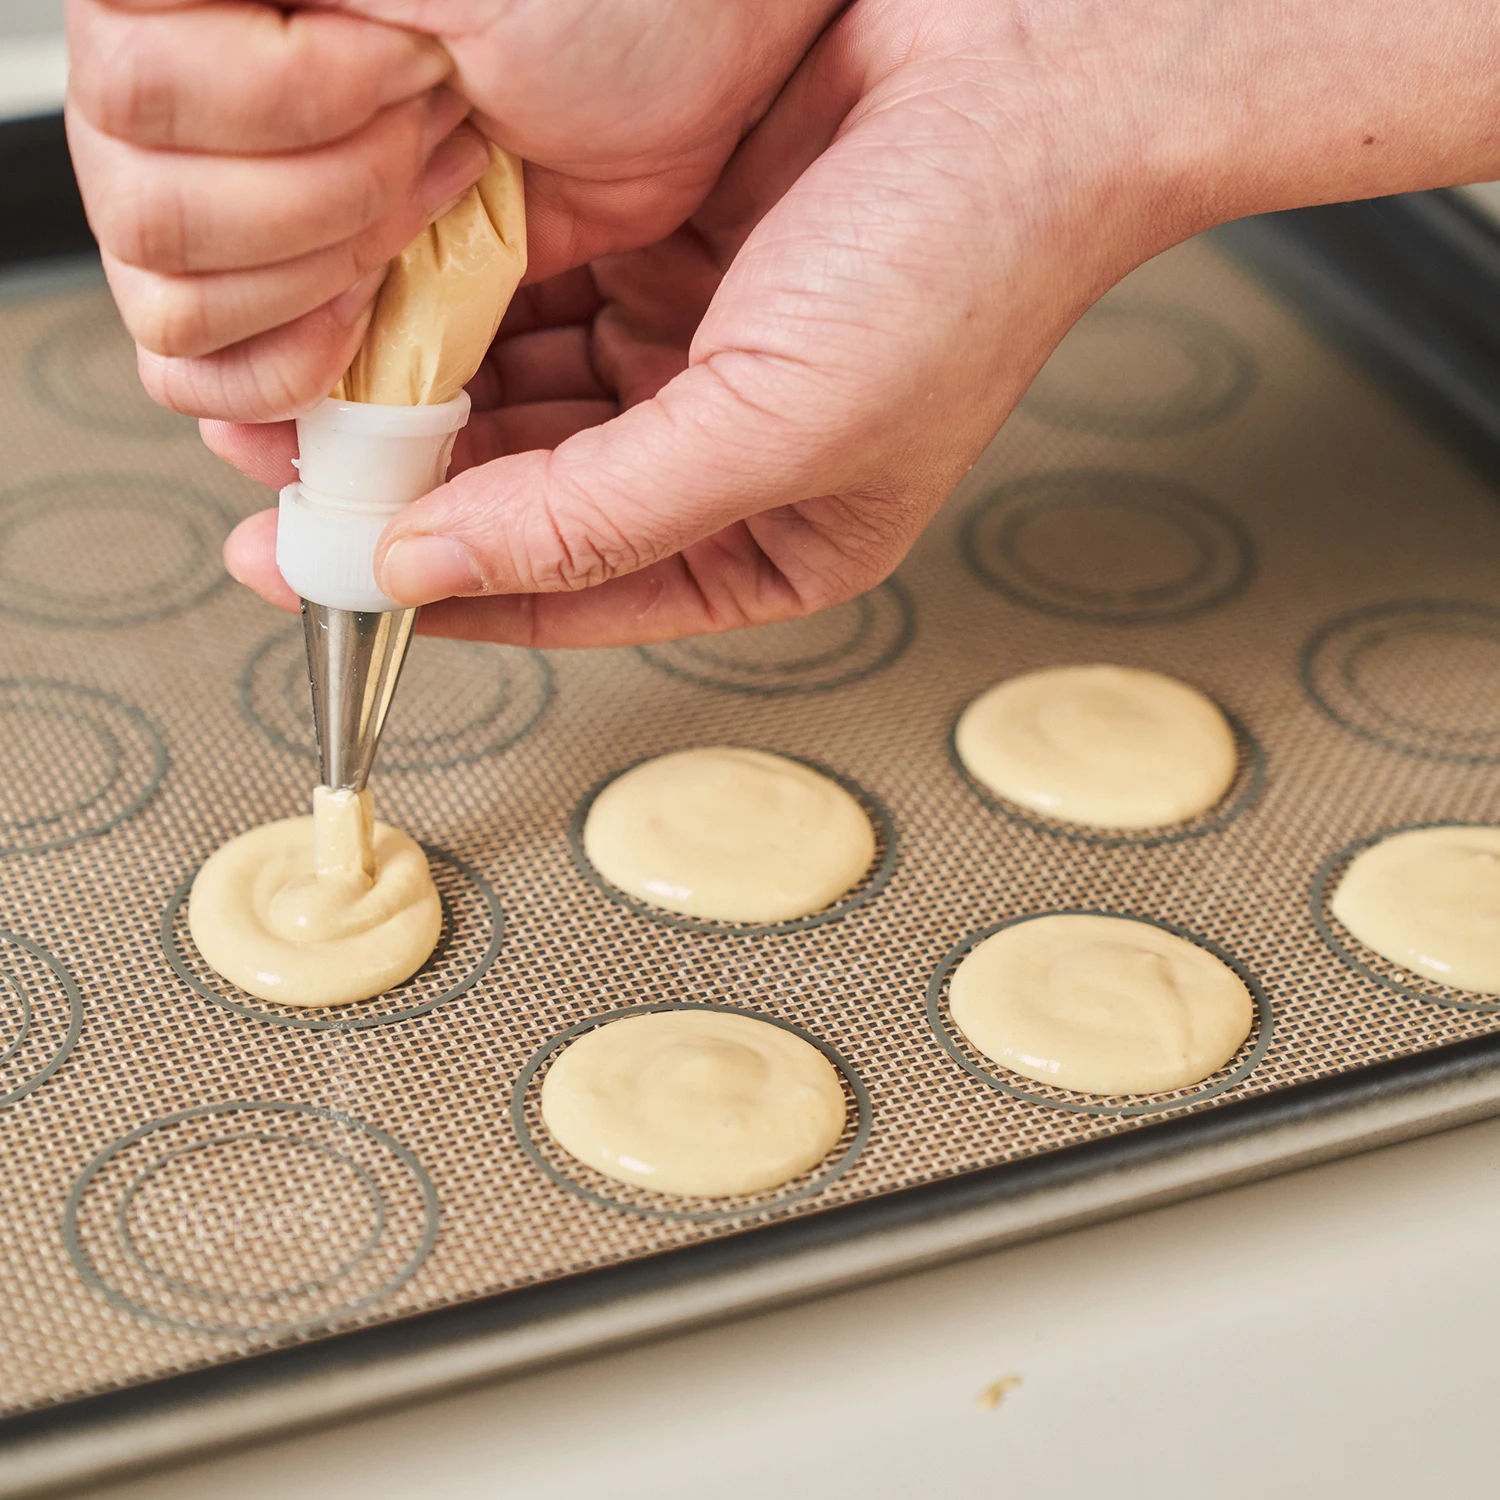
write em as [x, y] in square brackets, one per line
[730, 437]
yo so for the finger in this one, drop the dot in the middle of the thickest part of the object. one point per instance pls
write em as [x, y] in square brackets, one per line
[614, 499]
[552, 364]
[250, 557]
[656, 301]
[571, 220]
[240, 77]
[521, 429]
[726, 583]
[570, 297]
[196, 314]
[262, 451]
[270, 377]
[834, 339]
[173, 212]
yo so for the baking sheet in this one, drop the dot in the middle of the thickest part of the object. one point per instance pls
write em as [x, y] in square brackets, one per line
[1193, 485]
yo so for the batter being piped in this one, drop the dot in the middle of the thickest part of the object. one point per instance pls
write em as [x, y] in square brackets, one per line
[336, 908]
[320, 910]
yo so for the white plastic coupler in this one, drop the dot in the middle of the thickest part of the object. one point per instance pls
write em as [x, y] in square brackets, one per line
[359, 465]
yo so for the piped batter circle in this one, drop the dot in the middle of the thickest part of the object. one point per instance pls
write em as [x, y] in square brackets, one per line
[568, 1172]
[848, 888]
[1108, 747]
[250, 1218]
[1358, 955]
[956, 1044]
[472, 933]
[694, 1103]
[331, 909]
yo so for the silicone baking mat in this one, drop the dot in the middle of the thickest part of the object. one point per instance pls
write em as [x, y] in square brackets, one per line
[1193, 485]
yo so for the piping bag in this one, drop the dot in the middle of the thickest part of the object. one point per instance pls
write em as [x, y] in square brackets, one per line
[382, 439]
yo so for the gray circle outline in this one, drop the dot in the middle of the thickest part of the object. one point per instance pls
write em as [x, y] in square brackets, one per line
[1320, 905]
[864, 1114]
[46, 394]
[1323, 639]
[871, 883]
[391, 760]
[155, 776]
[937, 997]
[1010, 539]
[14, 985]
[146, 613]
[75, 1014]
[1217, 357]
[114, 767]
[906, 630]
[218, 1294]
[864, 625]
[1250, 755]
[1237, 545]
[481, 967]
[84, 1265]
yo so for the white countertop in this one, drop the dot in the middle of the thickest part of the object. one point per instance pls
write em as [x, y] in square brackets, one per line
[1327, 1334]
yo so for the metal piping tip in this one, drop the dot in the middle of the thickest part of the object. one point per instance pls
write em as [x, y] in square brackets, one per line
[353, 662]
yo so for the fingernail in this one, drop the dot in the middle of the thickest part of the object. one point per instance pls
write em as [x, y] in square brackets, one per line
[454, 167]
[346, 308]
[420, 569]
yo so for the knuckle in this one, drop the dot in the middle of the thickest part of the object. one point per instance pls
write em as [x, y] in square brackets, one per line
[168, 317]
[126, 94]
[580, 546]
[288, 376]
[138, 217]
[113, 216]
[168, 382]
[367, 190]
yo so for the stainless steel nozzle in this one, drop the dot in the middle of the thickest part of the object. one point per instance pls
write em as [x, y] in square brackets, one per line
[353, 661]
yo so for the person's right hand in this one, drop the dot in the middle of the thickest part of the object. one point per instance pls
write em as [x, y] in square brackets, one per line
[249, 172]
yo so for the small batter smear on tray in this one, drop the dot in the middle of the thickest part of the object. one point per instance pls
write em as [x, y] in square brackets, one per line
[696, 1103]
[1111, 747]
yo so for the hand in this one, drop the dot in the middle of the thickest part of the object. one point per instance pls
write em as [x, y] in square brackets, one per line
[249, 172]
[787, 386]
[805, 367]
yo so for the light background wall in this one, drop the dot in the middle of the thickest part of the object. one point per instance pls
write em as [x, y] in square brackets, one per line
[30, 17]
